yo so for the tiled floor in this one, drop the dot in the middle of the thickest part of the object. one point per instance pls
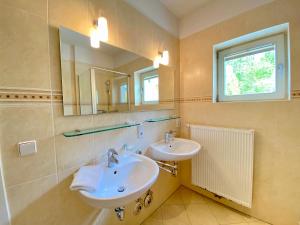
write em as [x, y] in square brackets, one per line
[186, 207]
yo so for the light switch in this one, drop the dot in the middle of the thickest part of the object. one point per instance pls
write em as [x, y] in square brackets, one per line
[27, 148]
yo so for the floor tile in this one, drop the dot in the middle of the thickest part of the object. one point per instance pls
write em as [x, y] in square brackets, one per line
[249, 219]
[225, 215]
[199, 214]
[175, 198]
[188, 196]
[258, 223]
[155, 219]
[186, 207]
[240, 223]
[152, 221]
[175, 215]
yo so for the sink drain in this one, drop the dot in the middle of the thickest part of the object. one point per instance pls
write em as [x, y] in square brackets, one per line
[121, 189]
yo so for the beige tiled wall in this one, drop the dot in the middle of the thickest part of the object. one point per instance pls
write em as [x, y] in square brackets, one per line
[276, 192]
[37, 185]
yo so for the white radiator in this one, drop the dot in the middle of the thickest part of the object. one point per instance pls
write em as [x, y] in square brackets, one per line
[224, 164]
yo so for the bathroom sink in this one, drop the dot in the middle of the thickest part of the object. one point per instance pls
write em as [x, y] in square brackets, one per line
[176, 150]
[124, 182]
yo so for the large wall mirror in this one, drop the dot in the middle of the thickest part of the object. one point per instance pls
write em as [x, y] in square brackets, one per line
[110, 79]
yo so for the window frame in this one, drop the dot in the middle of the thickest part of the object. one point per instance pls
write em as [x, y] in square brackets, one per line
[279, 41]
[145, 76]
[120, 90]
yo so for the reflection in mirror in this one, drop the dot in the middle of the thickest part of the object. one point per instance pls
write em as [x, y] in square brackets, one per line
[154, 88]
[110, 79]
[110, 92]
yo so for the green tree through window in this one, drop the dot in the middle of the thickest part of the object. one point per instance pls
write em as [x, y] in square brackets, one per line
[251, 74]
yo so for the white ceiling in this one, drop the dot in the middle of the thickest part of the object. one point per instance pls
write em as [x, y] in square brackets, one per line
[181, 8]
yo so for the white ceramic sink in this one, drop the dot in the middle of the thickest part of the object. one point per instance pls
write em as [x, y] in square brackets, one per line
[177, 150]
[134, 173]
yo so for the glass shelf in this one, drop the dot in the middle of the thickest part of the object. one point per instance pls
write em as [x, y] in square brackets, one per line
[162, 119]
[76, 133]
[99, 129]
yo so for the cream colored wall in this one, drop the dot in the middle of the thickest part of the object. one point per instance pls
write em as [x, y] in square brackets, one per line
[4, 217]
[276, 192]
[38, 185]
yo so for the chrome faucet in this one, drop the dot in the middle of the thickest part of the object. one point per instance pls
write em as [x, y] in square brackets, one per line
[169, 136]
[111, 157]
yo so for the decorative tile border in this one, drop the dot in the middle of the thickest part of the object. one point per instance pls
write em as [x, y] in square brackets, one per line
[29, 95]
[40, 95]
[295, 94]
[195, 99]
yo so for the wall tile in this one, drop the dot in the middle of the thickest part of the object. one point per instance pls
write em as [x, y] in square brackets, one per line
[21, 123]
[74, 151]
[128, 36]
[72, 14]
[43, 201]
[24, 198]
[145, 36]
[23, 50]
[107, 9]
[43, 179]
[275, 123]
[36, 7]
[71, 208]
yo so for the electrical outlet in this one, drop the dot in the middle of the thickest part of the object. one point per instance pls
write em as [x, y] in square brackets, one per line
[140, 131]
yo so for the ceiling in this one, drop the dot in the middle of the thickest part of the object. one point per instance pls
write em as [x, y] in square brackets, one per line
[180, 8]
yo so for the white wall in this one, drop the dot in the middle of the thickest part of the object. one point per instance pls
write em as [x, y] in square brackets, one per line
[215, 12]
[158, 13]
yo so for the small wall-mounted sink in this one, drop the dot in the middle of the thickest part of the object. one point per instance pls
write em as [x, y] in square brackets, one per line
[177, 150]
[124, 182]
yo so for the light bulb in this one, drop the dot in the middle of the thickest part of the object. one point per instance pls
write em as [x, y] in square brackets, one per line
[165, 58]
[94, 38]
[156, 61]
[103, 29]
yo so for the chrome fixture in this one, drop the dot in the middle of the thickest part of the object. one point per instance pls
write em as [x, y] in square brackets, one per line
[138, 206]
[120, 212]
[148, 199]
[171, 167]
[107, 84]
[111, 157]
[108, 92]
[125, 147]
[169, 136]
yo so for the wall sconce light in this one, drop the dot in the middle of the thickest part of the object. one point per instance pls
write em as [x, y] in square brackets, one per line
[102, 29]
[162, 58]
[156, 61]
[165, 58]
[94, 38]
[99, 32]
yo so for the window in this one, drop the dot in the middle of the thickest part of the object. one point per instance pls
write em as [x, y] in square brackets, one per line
[123, 93]
[255, 70]
[150, 87]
